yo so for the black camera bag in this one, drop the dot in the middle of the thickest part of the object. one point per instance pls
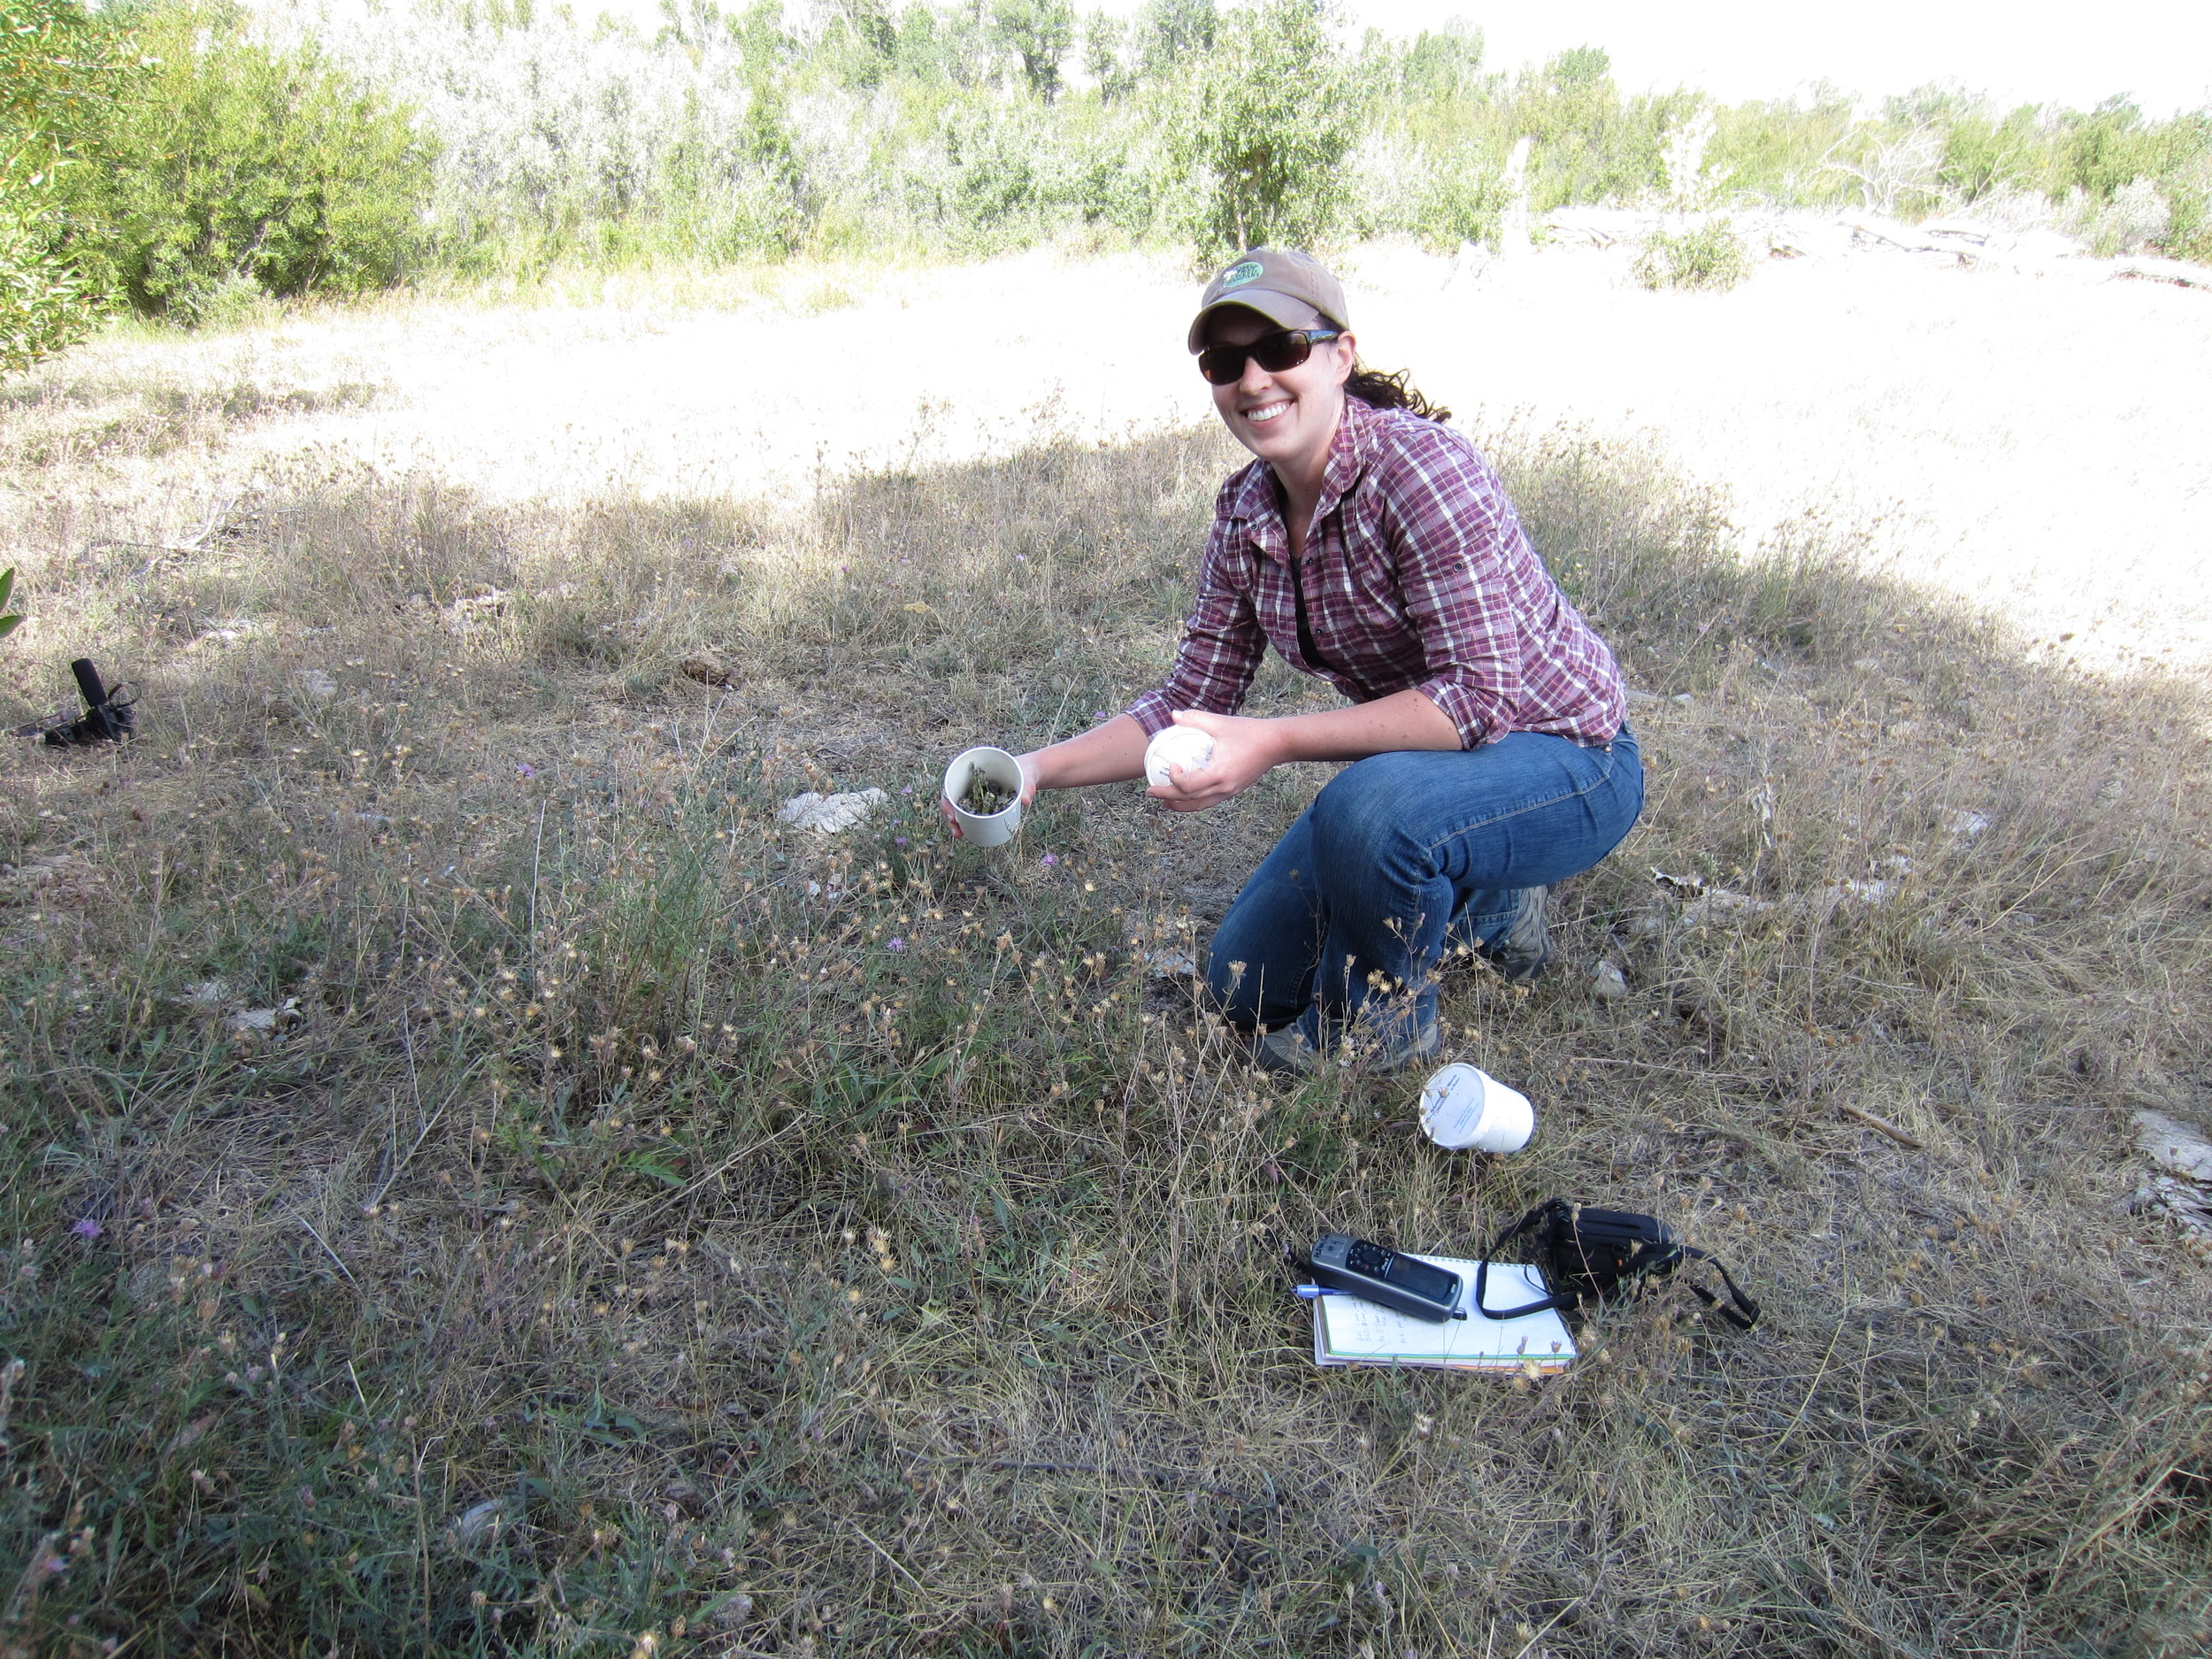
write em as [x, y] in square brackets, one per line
[1586, 1255]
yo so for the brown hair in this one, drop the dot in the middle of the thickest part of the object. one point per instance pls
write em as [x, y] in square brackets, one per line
[1378, 390]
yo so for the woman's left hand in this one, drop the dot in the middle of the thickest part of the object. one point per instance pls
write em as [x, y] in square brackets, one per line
[1244, 749]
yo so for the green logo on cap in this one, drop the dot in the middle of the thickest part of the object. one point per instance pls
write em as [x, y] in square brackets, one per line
[1237, 275]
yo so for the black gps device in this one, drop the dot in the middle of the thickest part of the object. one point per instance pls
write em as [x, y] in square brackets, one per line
[1380, 1274]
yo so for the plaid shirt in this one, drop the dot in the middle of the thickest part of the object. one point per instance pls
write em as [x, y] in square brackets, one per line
[1417, 573]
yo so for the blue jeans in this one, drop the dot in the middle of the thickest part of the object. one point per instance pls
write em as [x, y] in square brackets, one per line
[1402, 855]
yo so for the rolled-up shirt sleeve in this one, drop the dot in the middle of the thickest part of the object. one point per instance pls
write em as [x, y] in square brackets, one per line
[1222, 646]
[1454, 533]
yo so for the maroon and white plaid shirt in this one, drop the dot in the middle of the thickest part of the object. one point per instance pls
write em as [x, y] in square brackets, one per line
[1417, 573]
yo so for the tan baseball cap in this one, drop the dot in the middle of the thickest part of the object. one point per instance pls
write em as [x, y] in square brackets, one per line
[1285, 287]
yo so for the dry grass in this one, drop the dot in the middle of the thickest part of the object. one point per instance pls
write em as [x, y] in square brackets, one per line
[650, 1220]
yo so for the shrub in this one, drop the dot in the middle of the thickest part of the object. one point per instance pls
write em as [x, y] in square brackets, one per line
[1447, 198]
[1465, 203]
[2189, 230]
[1708, 256]
[43, 306]
[948, 129]
[1268, 126]
[2188, 180]
[233, 160]
[57, 71]
[2136, 217]
[1591, 146]
[1983, 156]
[2099, 152]
[1778, 151]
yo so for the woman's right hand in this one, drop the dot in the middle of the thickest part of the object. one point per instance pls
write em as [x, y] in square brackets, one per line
[1245, 749]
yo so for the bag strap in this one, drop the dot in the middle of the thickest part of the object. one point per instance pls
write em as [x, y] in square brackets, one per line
[1740, 1310]
[1482, 1271]
[1306, 647]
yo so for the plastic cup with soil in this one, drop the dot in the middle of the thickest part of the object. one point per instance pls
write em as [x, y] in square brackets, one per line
[984, 787]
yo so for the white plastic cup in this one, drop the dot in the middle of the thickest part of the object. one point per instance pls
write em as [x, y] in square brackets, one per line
[1469, 1109]
[997, 828]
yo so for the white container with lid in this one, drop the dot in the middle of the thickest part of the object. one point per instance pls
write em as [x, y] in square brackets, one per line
[1183, 746]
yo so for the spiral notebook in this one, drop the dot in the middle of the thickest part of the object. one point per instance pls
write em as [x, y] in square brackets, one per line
[1348, 1330]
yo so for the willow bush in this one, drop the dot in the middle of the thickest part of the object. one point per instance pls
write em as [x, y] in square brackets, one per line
[57, 69]
[235, 160]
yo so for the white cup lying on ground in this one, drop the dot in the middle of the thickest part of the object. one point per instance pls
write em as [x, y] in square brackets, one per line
[1466, 1109]
[994, 829]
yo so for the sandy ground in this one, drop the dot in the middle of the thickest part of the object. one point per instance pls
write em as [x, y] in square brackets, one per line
[2041, 443]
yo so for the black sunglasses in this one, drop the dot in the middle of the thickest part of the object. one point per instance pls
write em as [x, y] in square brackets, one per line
[1223, 365]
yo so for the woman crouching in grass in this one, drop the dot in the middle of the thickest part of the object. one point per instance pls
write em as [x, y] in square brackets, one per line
[1371, 546]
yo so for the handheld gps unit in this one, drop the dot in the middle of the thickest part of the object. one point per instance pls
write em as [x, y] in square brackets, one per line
[1380, 1274]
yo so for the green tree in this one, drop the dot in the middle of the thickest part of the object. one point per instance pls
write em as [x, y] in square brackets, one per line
[1580, 66]
[1171, 34]
[60, 69]
[232, 161]
[1103, 37]
[861, 42]
[920, 48]
[1271, 117]
[1445, 64]
[1038, 33]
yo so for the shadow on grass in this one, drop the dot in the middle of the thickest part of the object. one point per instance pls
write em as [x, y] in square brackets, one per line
[642, 1217]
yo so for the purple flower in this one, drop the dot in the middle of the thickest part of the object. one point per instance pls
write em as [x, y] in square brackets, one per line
[524, 769]
[1050, 859]
[1098, 714]
[908, 790]
[896, 947]
[1021, 558]
[899, 840]
[86, 1228]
